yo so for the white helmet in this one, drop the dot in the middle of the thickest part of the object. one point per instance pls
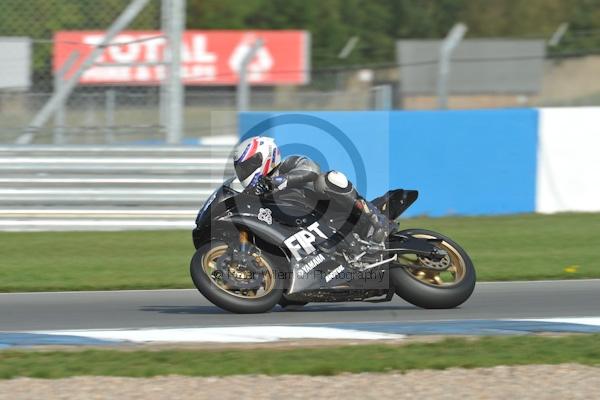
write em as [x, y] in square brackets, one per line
[255, 157]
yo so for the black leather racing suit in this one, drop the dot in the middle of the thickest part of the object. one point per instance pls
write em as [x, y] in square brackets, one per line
[293, 172]
[297, 171]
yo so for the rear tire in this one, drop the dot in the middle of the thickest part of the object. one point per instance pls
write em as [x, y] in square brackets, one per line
[225, 300]
[424, 295]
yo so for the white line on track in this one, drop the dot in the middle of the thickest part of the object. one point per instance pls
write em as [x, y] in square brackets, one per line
[590, 319]
[267, 333]
[233, 334]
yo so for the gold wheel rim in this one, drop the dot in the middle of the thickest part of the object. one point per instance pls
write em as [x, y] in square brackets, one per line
[451, 276]
[209, 267]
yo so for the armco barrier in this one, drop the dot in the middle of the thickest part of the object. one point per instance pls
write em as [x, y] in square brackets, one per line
[107, 187]
[462, 162]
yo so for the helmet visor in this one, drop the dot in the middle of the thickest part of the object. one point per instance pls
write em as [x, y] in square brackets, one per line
[243, 169]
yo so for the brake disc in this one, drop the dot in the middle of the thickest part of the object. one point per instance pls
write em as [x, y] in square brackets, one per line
[439, 265]
[240, 271]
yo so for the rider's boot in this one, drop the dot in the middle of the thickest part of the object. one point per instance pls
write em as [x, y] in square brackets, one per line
[380, 225]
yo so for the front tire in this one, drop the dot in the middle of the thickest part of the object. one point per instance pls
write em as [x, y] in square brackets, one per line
[229, 300]
[424, 290]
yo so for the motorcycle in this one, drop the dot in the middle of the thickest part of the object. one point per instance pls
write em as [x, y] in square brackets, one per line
[294, 248]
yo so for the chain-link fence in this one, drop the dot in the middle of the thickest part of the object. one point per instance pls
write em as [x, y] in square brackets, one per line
[132, 113]
[124, 112]
[35, 23]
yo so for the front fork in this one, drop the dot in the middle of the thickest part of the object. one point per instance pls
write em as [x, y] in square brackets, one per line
[244, 241]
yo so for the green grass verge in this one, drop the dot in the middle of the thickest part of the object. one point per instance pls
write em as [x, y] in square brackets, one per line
[503, 248]
[485, 352]
[526, 247]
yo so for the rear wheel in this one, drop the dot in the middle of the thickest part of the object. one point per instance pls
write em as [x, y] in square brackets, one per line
[428, 283]
[237, 288]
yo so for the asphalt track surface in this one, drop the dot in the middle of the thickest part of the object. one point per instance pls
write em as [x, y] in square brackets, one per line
[188, 308]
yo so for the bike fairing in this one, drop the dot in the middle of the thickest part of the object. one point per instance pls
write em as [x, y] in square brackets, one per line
[300, 242]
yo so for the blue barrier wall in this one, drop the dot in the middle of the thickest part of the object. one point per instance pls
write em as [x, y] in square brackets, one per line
[462, 162]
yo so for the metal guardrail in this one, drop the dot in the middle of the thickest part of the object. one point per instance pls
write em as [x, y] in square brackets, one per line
[107, 187]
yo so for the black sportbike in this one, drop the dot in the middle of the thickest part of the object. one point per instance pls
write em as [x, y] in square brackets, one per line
[293, 248]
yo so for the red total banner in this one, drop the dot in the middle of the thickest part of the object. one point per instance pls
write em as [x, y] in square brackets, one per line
[208, 57]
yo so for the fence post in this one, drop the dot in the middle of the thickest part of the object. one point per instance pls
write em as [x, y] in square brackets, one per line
[243, 87]
[382, 97]
[175, 96]
[59, 116]
[558, 34]
[447, 47]
[110, 101]
[165, 9]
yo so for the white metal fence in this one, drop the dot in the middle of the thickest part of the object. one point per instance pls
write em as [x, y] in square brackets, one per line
[100, 188]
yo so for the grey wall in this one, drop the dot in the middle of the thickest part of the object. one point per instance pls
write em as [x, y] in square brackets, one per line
[479, 66]
[15, 62]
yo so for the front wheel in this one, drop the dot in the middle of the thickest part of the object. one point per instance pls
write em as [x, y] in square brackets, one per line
[234, 287]
[427, 283]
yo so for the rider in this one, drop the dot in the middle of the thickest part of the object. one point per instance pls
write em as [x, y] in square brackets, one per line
[258, 166]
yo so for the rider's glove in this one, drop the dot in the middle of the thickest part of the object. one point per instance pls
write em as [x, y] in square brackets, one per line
[264, 185]
[279, 182]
